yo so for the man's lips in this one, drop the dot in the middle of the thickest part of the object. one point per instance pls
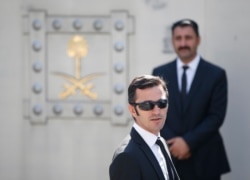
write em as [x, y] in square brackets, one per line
[156, 119]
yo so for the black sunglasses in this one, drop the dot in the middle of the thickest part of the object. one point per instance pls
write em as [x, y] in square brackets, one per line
[149, 105]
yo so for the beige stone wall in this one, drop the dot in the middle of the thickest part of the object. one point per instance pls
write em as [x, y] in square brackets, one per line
[81, 148]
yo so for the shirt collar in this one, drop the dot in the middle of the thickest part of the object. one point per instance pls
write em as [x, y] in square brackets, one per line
[148, 137]
[192, 65]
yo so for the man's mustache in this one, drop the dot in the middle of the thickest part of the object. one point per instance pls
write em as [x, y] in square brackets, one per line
[184, 47]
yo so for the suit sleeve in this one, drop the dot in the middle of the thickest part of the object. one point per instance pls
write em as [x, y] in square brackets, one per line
[214, 117]
[124, 167]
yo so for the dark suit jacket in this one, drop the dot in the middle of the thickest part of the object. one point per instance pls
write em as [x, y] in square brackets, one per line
[203, 115]
[134, 160]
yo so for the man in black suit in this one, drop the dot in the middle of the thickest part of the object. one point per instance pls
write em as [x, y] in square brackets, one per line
[144, 155]
[197, 108]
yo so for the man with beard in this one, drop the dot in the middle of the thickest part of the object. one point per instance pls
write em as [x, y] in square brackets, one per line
[197, 107]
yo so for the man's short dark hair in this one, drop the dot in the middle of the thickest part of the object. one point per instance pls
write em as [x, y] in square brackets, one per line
[184, 23]
[143, 82]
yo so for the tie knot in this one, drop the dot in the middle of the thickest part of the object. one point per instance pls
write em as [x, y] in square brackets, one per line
[185, 67]
[158, 142]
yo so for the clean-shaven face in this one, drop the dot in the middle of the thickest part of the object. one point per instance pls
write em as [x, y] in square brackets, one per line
[150, 120]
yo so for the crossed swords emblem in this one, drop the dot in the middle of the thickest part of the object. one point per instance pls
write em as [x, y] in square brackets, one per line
[78, 49]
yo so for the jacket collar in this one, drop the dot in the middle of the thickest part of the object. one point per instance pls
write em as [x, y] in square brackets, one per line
[147, 152]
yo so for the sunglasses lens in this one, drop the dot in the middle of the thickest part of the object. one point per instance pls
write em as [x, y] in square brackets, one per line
[162, 103]
[146, 106]
[149, 105]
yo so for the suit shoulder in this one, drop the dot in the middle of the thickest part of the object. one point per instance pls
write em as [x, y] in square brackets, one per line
[122, 146]
[212, 66]
[213, 71]
[124, 155]
[163, 67]
[128, 155]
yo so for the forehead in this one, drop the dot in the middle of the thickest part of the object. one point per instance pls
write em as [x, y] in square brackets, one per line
[182, 30]
[153, 93]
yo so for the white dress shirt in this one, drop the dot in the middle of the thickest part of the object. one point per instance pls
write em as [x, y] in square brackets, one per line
[150, 140]
[190, 72]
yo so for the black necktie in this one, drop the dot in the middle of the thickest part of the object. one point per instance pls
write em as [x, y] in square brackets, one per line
[170, 166]
[184, 85]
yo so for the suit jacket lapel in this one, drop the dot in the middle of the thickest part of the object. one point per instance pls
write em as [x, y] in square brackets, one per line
[147, 152]
[173, 84]
[195, 84]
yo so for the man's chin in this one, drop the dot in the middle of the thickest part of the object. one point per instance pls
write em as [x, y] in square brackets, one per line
[185, 56]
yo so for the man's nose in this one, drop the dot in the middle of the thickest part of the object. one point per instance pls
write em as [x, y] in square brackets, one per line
[183, 42]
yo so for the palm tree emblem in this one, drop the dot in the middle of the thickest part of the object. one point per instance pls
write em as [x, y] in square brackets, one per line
[77, 50]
